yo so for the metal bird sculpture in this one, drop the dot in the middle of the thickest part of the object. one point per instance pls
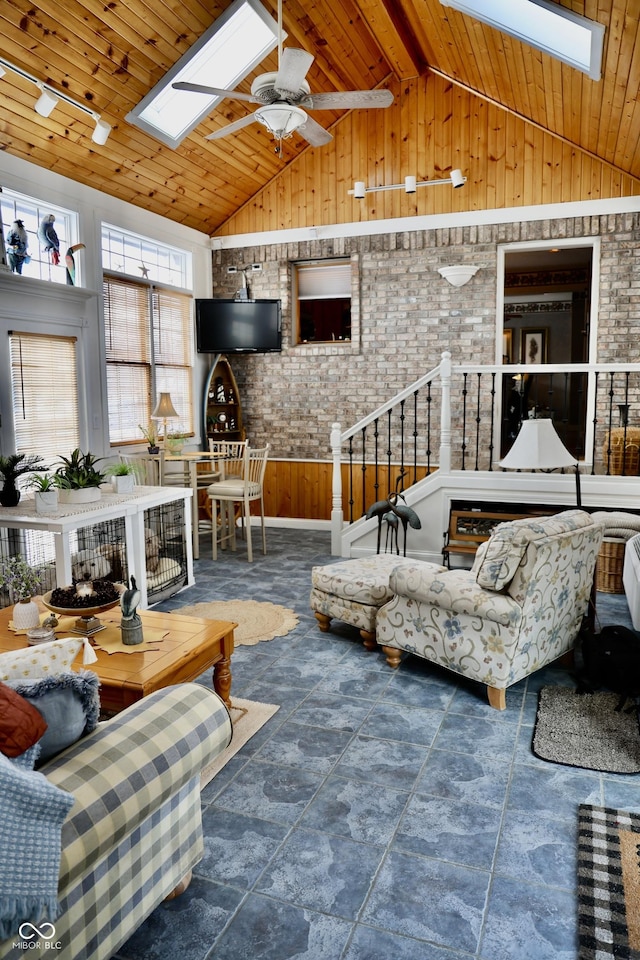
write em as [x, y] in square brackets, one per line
[407, 516]
[379, 509]
[49, 238]
[129, 600]
[391, 510]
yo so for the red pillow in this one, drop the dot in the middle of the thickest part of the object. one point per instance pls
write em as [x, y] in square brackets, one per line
[21, 725]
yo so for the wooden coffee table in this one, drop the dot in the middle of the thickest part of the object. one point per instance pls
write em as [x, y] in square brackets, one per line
[191, 645]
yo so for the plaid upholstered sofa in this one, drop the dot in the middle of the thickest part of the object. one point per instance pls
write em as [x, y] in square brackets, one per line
[134, 831]
[518, 608]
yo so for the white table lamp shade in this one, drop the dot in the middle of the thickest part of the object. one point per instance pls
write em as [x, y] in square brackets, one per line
[537, 447]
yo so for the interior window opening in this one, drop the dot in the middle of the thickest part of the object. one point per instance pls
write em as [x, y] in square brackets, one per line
[546, 320]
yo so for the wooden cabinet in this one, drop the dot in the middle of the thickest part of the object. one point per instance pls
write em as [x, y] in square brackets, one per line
[222, 407]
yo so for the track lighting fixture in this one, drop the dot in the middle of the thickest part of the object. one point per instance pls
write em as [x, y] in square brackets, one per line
[410, 185]
[45, 102]
[101, 133]
[49, 99]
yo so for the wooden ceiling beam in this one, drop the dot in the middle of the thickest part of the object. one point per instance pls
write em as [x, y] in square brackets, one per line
[392, 31]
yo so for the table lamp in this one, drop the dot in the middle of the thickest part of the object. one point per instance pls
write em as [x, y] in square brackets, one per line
[538, 447]
[165, 411]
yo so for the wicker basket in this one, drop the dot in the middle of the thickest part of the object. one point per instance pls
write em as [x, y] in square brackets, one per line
[625, 451]
[609, 566]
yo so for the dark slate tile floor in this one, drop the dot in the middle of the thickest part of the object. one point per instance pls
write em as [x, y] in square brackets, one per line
[379, 814]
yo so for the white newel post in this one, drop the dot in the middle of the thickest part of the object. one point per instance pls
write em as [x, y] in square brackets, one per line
[445, 413]
[337, 515]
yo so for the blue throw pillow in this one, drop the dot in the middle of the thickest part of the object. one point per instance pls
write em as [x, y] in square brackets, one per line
[69, 703]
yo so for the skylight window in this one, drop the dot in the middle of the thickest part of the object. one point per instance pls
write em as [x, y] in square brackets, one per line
[224, 55]
[547, 26]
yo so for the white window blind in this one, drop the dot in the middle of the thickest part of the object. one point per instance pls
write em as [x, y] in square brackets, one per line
[325, 281]
[148, 349]
[44, 390]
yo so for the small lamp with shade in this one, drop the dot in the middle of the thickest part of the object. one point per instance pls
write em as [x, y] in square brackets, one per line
[164, 410]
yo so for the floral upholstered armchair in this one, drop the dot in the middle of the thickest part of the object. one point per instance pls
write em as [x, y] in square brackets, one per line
[519, 607]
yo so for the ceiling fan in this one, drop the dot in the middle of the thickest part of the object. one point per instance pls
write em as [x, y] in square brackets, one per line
[285, 96]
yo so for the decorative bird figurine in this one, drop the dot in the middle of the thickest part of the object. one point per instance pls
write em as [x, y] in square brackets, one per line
[379, 509]
[49, 238]
[129, 600]
[70, 263]
[17, 243]
[408, 517]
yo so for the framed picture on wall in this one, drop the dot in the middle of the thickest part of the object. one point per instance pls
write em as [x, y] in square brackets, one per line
[507, 346]
[533, 346]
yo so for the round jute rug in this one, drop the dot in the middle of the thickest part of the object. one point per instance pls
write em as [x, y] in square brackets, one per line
[256, 620]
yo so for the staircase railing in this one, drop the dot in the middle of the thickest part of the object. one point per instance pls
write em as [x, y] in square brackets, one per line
[465, 417]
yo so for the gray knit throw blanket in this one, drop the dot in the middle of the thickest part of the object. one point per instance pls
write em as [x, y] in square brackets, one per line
[32, 812]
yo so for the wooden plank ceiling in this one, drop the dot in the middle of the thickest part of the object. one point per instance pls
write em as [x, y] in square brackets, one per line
[451, 77]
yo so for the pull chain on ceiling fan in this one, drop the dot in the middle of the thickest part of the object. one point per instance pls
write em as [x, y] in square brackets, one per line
[285, 96]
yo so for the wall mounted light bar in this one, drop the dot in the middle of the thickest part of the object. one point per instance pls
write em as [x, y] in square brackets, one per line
[410, 185]
[49, 98]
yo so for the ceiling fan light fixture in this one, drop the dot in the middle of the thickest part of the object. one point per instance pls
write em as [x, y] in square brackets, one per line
[281, 119]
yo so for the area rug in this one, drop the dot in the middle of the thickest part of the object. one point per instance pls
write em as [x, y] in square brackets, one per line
[256, 620]
[247, 717]
[585, 730]
[608, 884]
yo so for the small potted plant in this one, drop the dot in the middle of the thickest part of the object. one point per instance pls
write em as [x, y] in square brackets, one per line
[124, 477]
[45, 487]
[175, 442]
[78, 478]
[12, 467]
[22, 582]
[151, 436]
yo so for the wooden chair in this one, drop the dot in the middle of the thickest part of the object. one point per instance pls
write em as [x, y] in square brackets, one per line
[241, 490]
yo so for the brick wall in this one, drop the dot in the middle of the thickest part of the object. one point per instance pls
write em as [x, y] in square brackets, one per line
[405, 315]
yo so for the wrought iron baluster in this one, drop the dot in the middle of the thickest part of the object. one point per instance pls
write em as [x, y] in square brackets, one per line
[479, 375]
[491, 422]
[402, 419]
[363, 470]
[595, 425]
[464, 418]
[610, 419]
[625, 422]
[351, 499]
[376, 479]
[415, 437]
[429, 398]
[389, 425]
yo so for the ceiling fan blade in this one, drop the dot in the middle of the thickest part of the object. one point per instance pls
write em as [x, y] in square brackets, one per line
[214, 91]
[348, 100]
[293, 69]
[313, 133]
[231, 127]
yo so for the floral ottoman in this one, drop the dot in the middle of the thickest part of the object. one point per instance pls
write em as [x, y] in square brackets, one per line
[354, 590]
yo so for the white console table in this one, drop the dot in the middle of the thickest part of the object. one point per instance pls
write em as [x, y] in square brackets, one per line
[133, 509]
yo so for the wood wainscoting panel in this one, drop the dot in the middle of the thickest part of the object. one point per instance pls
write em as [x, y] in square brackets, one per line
[301, 489]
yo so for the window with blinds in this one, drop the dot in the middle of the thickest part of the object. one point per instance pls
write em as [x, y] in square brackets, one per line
[45, 418]
[148, 350]
[322, 294]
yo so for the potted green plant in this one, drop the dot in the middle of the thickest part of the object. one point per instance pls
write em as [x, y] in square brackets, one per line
[175, 442]
[78, 477]
[13, 466]
[45, 487]
[22, 582]
[124, 477]
[151, 436]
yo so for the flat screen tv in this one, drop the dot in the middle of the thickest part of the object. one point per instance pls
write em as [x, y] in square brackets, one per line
[238, 326]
